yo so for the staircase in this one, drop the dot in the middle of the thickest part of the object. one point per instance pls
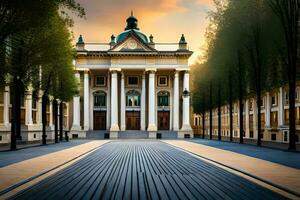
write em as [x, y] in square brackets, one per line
[133, 135]
[100, 135]
[96, 135]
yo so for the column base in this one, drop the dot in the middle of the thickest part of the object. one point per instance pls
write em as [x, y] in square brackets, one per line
[77, 134]
[114, 128]
[86, 127]
[76, 128]
[123, 128]
[152, 127]
[186, 127]
[185, 133]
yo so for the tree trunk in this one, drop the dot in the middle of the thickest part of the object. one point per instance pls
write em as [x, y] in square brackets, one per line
[210, 111]
[16, 113]
[55, 114]
[13, 135]
[219, 114]
[292, 127]
[61, 121]
[44, 118]
[241, 97]
[230, 112]
[241, 120]
[203, 125]
[258, 103]
[18, 110]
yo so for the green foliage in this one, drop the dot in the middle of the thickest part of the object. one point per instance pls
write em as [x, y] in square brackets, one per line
[244, 41]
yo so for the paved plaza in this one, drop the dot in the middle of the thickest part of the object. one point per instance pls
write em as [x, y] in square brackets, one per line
[143, 169]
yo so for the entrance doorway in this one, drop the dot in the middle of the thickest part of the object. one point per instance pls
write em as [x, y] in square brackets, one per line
[99, 120]
[163, 119]
[133, 120]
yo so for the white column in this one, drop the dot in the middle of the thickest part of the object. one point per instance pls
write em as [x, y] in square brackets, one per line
[114, 102]
[186, 103]
[255, 119]
[281, 107]
[151, 104]
[247, 118]
[39, 108]
[6, 102]
[28, 108]
[76, 108]
[86, 100]
[268, 111]
[123, 104]
[50, 113]
[108, 111]
[143, 102]
[176, 102]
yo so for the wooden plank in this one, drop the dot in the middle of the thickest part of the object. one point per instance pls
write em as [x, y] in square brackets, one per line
[144, 170]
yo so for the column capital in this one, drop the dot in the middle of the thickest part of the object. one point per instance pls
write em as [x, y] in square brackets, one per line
[151, 70]
[115, 70]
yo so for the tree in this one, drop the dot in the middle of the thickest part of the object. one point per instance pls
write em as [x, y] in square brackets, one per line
[57, 74]
[287, 12]
[27, 50]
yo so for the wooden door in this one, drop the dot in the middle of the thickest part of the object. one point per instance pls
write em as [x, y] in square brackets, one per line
[99, 120]
[132, 120]
[163, 120]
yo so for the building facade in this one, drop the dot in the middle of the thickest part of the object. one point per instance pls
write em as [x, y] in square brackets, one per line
[132, 83]
[274, 118]
[31, 116]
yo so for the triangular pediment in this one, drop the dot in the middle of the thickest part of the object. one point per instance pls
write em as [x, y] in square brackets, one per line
[132, 43]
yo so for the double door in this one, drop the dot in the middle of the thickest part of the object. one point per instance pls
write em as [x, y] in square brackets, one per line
[99, 120]
[163, 120]
[133, 119]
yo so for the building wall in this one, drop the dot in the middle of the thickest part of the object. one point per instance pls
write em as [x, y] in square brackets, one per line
[274, 118]
[31, 128]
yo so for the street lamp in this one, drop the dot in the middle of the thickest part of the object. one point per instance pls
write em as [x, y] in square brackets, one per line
[185, 93]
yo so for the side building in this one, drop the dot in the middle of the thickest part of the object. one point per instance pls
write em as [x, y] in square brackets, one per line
[274, 119]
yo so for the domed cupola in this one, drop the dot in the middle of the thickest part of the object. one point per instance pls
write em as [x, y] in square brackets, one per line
[131, 23]
[132, 26]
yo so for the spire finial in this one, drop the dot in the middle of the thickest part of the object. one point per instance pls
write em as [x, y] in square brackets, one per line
[131, 13]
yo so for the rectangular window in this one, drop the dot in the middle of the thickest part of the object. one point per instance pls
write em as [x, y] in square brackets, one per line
[100, 81]
[286, 117]
[274, 119]
[274, 103]
[285, 136]
[163, 101]
[133, 100]
[262, 102]
[163, 81]
[251, 134]
[133, 80]
[1, 95]
[99, 101]
[273, 137]
[34, 103]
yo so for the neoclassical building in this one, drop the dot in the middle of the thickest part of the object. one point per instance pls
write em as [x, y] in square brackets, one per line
[132, 83]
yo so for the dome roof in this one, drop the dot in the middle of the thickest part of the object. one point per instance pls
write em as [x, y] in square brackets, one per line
[124, 34]
[132, 25]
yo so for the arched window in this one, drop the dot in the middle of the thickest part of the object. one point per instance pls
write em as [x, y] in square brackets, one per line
[133, 98]
[163, 98]
[99, 99]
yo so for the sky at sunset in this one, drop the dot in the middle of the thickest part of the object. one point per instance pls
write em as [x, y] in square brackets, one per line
[166, 20]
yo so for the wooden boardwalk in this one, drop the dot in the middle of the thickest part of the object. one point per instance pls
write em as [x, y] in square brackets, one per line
[144, 170]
